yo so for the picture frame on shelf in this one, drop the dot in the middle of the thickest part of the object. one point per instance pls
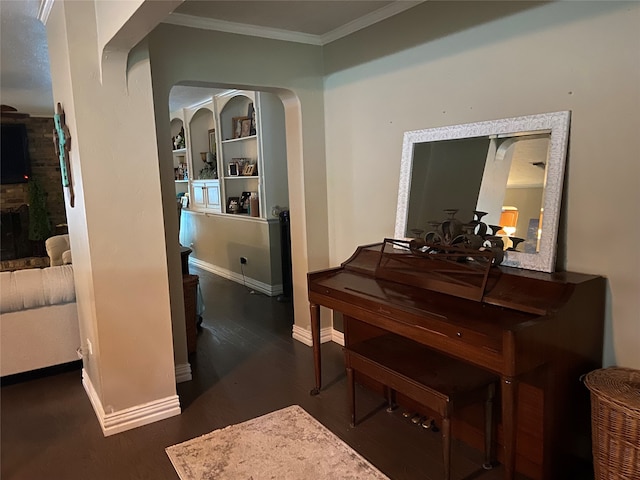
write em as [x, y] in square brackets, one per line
[233, 169]
[233, 205]
[245, 128]
[237, 126]
[184, 201]
[245, 198]
[249, 170]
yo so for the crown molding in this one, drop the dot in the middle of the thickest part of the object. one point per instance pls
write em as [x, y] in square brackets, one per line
[241, 28]
[368, 20]
[289, 36]
[44, 10]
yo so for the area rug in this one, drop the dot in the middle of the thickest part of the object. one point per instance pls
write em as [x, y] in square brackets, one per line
[287, 444]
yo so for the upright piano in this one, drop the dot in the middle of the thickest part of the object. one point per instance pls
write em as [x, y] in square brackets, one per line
[538, 332]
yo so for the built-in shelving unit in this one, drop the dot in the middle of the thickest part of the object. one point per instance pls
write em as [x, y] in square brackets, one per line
[243, 119]
[239, 143]
[218, 234]
[180, 160]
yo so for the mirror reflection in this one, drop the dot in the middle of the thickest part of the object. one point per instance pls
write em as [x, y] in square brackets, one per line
[512, 169]
[471, 174]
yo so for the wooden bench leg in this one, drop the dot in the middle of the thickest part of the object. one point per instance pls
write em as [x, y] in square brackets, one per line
[351, 392]
[391, 399]
[488, 427]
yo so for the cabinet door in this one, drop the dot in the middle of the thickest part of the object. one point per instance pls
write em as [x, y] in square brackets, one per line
[199, 196]
[213, 196]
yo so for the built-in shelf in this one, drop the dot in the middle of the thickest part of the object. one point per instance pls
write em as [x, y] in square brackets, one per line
[239, 177]
[180, 151]
[182, 181]
[241, 139]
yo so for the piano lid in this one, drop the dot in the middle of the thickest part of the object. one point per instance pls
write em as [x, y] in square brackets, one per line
[527, 291]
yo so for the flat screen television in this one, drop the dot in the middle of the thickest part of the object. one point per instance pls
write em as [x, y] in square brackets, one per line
[15, 165]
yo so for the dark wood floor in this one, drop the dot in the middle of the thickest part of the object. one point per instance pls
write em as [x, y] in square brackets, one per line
[246, 365]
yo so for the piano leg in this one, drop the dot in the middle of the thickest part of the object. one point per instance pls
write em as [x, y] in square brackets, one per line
[509, 390]
[315, 336]
[446, 444]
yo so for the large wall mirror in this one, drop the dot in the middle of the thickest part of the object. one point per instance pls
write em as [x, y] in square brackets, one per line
[512, 169]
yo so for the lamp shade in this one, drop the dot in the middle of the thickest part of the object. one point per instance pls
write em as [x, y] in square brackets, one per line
[508, 220]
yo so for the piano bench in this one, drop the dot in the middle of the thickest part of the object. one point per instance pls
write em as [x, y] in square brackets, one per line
[432, 379]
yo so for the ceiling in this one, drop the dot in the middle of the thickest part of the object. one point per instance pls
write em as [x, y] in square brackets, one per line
[25, 80]
[303, 16]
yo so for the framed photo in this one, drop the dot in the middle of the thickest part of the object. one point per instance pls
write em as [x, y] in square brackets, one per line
[233, 205]
[245, 198]
[249, 169]
[245, 130]
[233, 169]
[184, 200]
[237, 126]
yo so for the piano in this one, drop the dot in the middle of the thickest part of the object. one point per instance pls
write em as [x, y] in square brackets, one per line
[539, 332]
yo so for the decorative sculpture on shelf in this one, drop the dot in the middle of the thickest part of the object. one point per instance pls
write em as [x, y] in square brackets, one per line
[474, 235]
[178, 140]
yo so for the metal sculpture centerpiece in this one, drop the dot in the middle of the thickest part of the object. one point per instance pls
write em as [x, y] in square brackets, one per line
[473, 236]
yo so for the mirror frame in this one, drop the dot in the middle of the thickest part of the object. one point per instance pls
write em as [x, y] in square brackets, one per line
[556, 122]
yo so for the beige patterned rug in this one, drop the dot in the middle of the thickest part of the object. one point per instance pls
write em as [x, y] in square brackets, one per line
[287, 444]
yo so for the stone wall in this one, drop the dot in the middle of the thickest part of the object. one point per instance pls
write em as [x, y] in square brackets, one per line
[44, 165]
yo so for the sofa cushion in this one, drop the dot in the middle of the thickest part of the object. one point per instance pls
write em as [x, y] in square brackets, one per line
[36, 287]
[66, 257]
[56, 246]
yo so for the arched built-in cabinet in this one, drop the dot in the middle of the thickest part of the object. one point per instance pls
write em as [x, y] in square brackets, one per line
[218, 235]
[205, 187]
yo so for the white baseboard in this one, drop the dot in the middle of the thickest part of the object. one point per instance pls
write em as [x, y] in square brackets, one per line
[270, 290]
[133, 417]
[327, 334]
[337, 337]
[183, 373]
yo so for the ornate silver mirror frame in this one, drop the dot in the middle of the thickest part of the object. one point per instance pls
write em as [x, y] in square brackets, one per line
[555, 125]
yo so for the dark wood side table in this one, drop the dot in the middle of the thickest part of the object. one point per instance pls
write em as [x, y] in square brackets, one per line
[190, 287]
[184, 257]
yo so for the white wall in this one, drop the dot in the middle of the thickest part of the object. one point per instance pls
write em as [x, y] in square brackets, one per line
[116, 226]
[445, 63]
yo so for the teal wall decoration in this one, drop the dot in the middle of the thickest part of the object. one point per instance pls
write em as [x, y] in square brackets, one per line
[62, 140]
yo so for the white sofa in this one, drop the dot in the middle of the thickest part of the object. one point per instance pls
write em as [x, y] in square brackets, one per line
[38, 319]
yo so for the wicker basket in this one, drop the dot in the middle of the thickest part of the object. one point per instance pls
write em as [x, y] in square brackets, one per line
[615, 421]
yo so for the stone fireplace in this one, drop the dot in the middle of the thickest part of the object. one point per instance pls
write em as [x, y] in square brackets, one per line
[16, 248]
[14, 233]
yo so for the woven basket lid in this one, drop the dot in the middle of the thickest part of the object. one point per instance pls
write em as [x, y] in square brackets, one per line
[618, 385]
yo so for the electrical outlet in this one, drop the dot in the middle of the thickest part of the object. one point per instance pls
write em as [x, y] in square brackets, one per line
[243, 260]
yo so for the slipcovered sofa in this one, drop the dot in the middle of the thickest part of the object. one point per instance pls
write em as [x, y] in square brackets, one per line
[38, 319]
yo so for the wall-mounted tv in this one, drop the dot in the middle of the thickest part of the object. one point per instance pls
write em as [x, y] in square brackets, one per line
[15, 165]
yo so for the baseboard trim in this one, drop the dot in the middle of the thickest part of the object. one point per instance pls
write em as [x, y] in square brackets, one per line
[338, 337]
[327, 334]
[270, 290]
[133, 417]
[183, 373]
